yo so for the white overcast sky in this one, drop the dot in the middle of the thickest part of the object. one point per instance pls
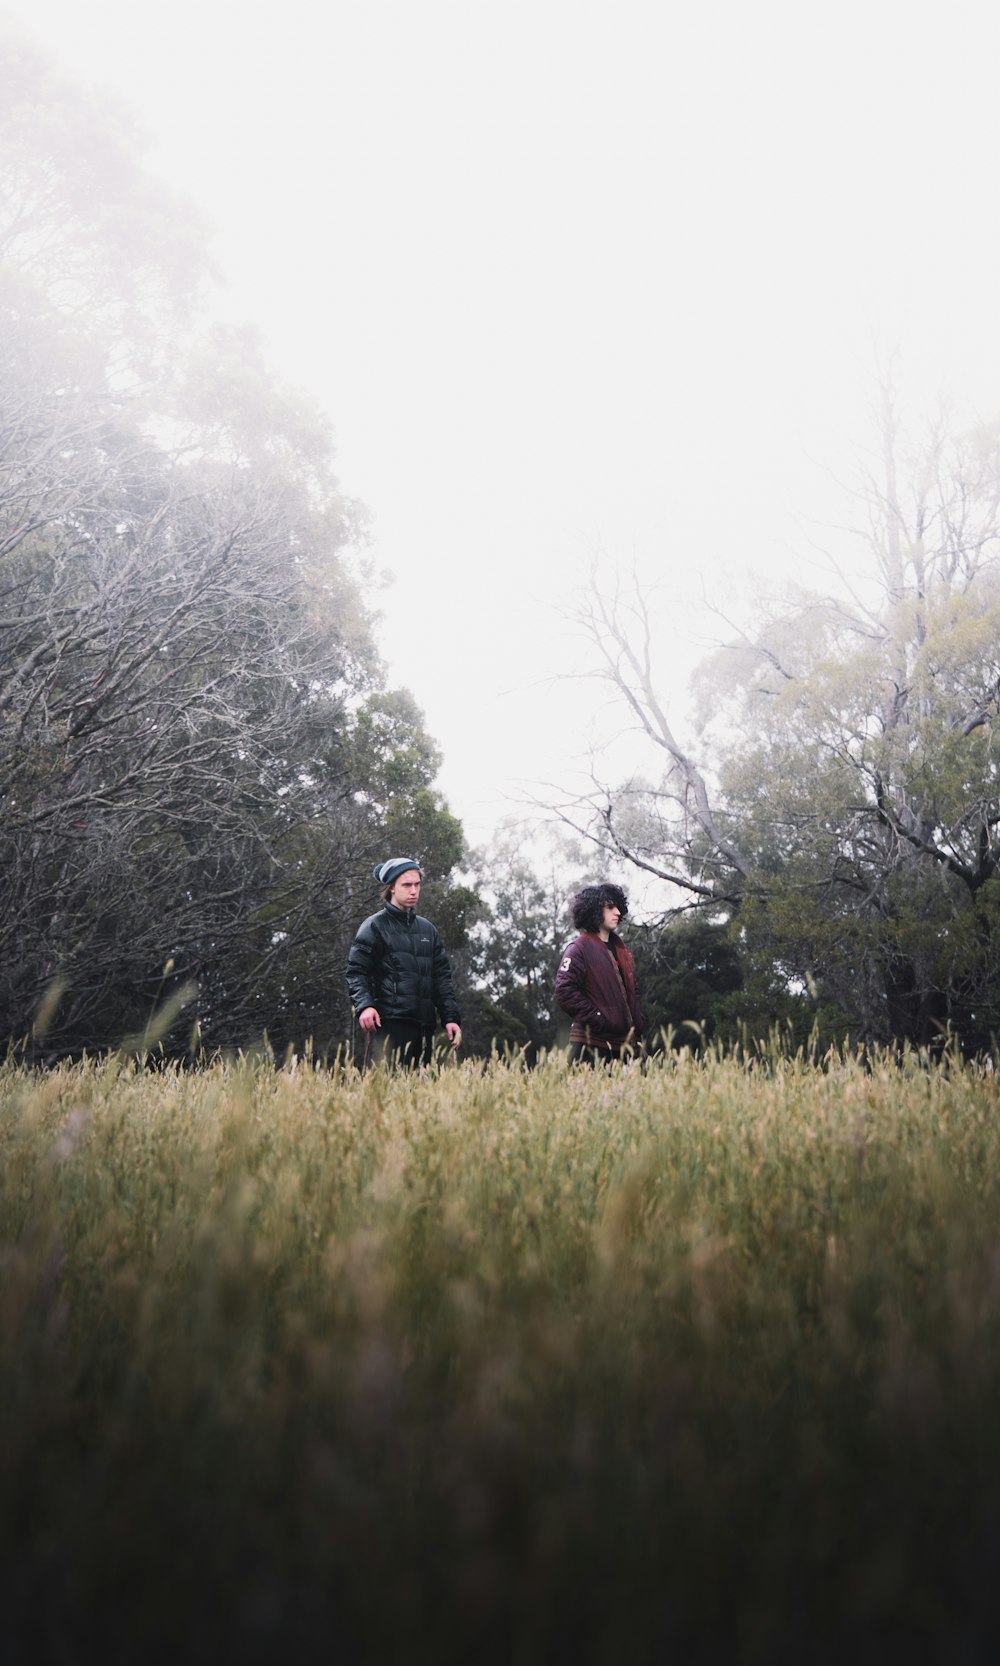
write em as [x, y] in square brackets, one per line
[577, 274]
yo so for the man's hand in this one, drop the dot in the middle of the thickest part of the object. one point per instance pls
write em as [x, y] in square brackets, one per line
[369, 1019]
[454, 1034]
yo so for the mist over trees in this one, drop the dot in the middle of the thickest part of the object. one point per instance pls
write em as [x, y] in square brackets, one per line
[199, 759]
[834, 822]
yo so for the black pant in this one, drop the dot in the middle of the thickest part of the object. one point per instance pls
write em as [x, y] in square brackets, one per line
[582, 1052]
[399, 1042]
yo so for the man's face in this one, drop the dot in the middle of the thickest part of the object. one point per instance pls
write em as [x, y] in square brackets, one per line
[611, 916]
[406, 889]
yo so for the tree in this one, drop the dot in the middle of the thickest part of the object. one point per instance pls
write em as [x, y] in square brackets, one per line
[173, 686]
[509, 978]
[688, 972]
[86, 233]
[846, 822]
[198, 758]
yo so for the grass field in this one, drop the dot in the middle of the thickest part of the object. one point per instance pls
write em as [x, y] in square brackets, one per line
[693, 1362]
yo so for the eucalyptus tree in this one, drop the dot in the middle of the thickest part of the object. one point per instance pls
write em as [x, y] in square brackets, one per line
[523, 882]
[188, 670]
[840, 802]
[181, 651]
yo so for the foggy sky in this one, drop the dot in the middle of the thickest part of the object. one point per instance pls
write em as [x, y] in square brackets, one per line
[571, 277]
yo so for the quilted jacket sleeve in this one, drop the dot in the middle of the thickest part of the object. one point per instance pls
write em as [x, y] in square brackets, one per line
[362, 958]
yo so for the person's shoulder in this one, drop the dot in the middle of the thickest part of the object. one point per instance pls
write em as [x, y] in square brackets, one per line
[424, 926]
[572, 949]
[367, 927]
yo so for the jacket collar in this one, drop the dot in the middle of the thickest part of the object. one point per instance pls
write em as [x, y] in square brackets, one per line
[610, 942]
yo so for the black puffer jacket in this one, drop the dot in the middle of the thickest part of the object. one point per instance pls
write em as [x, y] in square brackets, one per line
[397, 964]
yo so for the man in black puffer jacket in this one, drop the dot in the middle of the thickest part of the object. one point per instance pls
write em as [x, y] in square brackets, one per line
[398, 972]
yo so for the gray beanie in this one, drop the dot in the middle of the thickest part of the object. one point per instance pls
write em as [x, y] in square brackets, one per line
[386, 872]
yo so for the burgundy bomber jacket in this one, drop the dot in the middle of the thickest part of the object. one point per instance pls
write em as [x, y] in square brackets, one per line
[595, 984]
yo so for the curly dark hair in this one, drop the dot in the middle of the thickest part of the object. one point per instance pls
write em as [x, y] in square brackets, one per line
[587, 907]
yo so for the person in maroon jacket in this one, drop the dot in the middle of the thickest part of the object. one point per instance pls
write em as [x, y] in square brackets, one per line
[595, 982]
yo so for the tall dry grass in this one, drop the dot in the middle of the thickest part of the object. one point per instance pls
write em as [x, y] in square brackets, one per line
[693, 1361]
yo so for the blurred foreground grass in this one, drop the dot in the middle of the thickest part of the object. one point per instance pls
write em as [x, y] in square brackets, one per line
[698, 1362]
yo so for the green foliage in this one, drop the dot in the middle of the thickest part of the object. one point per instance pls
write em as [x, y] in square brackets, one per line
[198, 759]
[394, 753]
[872, 828]
[685, 972]
[846, 820]
[524, 925]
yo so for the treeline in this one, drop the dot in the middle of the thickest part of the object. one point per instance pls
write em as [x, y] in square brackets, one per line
[200, 757]
[832, 819]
